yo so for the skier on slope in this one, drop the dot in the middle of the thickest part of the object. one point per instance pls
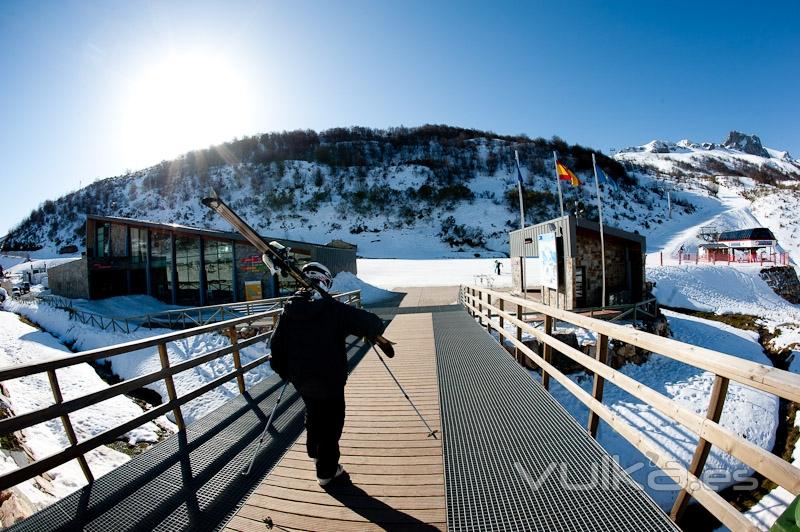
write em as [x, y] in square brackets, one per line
[308, 350]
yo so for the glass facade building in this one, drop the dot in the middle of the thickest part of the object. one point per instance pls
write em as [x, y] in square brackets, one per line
[188, 266]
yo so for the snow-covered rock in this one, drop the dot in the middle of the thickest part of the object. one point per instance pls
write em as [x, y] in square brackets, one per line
[745, 143]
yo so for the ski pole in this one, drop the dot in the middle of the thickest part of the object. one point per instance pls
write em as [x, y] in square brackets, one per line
[431, 432]
[266, 429]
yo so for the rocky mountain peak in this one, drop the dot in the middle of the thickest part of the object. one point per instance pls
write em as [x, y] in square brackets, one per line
[746, 143]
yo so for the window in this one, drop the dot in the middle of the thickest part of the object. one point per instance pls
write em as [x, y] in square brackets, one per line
[138, 246]
[103, 241]
[219, 271]
[187, 266]
[161, 266]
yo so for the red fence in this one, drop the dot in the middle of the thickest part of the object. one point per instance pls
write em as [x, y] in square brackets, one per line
[776, 259]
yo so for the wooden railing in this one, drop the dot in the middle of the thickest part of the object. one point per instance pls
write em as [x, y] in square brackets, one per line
[61, 409]
[487, 304]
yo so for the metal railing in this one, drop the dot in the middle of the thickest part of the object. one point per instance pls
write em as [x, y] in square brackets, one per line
[485, 305]
[179, 318]
[62, 409]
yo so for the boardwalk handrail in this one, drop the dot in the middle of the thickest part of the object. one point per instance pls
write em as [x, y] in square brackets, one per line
[61, 408]
[181, 316]
[485, 304]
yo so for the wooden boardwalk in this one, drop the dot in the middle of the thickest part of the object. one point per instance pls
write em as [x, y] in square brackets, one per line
[397, 472]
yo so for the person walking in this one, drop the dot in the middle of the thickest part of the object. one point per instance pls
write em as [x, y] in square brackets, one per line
[497, 266]
[308, 350]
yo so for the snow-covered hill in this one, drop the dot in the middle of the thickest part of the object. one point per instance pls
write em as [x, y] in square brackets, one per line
[744, 185]
[430, 192]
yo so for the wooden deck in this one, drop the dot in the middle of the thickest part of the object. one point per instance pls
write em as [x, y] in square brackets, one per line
[396, 470]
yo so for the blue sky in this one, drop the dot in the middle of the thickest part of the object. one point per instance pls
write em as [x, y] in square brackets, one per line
[83, 83]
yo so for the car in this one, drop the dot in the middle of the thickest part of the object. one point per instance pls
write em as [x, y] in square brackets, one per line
[3, 294]
[16, 292]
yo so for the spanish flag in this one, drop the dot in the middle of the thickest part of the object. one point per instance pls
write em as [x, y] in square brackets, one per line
[565, 174]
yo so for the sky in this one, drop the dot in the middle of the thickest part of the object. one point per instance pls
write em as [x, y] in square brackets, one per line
[90, 90]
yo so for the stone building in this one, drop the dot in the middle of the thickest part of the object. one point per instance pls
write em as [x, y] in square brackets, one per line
[180, 265]
[579, 265]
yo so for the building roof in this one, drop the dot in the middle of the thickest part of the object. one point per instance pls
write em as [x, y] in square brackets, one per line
[591, 226]
[211, 233]
[756, 233]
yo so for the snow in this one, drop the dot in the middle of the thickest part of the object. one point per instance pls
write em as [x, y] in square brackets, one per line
[21, 344]
[748, 412]
[727, 290]
[396, 273]
[123, 306]
[370, 295]
[7, 261]
[39, 264]
[82, 337]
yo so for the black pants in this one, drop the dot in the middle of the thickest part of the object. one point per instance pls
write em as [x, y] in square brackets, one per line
[324, 423]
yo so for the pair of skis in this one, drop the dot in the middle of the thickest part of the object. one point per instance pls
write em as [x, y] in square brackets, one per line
[279, 257]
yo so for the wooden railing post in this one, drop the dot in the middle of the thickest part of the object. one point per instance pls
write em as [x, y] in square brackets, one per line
[170, 384]
[547, 352]
[717, 400]
[488, 313]
[480, 307]
[237, 361]
[519, 333]
[597, 386]
[65, 421]
[502, 306]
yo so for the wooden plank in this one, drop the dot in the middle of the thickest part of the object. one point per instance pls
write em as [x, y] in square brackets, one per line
[396, 471]
[597, 385]
[411, 467]
[251, 519]
[377, 490]
[769, 379]
[170, 384]
[547, 350]
[715, 403]
[380, 513]
[354, 500]
[415, 459]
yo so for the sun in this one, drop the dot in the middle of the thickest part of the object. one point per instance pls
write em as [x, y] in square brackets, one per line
[181, 103]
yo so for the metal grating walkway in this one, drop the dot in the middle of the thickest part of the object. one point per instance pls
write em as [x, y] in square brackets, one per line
[190, 481]
[502, 433]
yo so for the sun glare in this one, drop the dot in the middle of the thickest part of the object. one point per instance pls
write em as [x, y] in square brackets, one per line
[183, 103]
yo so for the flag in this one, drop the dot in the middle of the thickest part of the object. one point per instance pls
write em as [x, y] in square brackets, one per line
[519, 172]
[606, 180]
[565, 174]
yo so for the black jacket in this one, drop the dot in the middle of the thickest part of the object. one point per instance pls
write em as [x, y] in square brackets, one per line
[308, 346]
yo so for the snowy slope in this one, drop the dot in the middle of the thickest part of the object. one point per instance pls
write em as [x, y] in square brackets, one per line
[429, 198]
[21, 343]
[741, 190]
[83, 337]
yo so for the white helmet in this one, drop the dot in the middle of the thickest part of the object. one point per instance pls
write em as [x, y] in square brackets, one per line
[319, 273]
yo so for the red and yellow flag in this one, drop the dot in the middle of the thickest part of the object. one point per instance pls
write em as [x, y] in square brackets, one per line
[565, 174]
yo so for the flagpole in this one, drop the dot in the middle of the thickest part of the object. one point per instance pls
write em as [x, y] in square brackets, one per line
[602, 239]
[558, 183]
[523, 279]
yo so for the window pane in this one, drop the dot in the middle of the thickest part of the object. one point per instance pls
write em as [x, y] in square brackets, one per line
[219, 272]
[187, 265]
[161, 266]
